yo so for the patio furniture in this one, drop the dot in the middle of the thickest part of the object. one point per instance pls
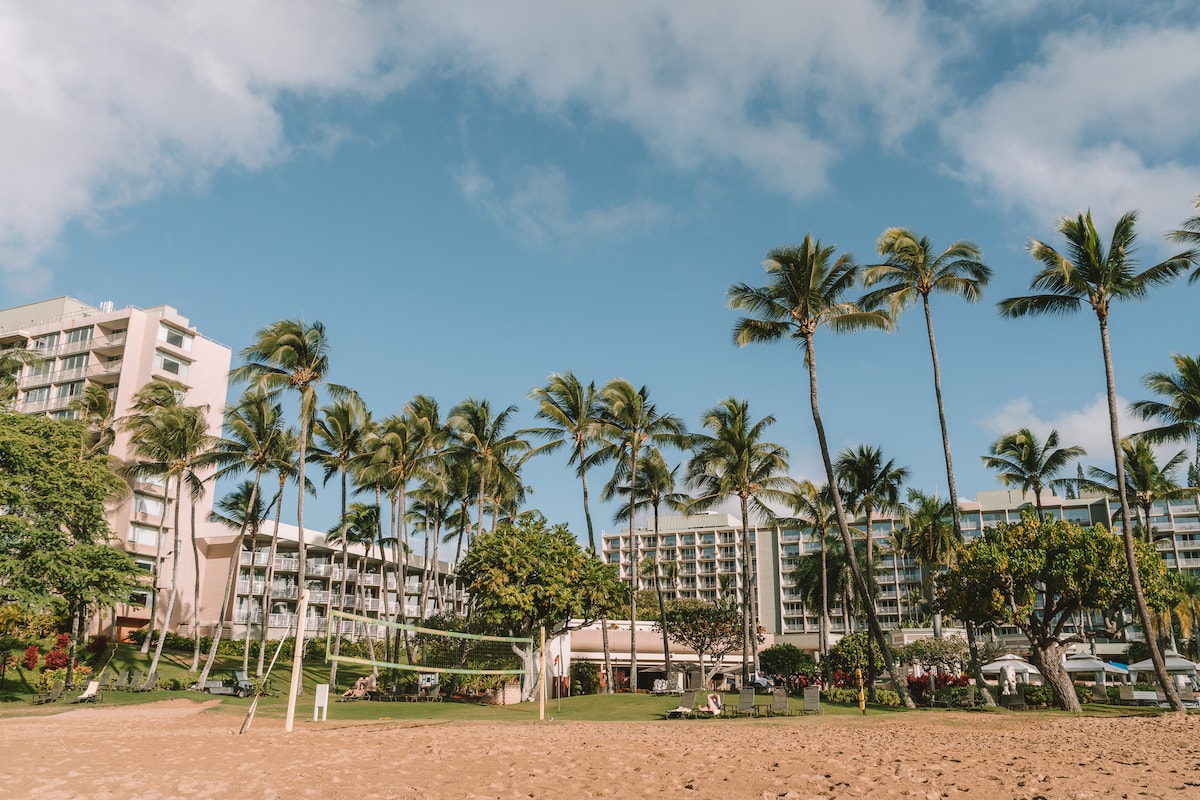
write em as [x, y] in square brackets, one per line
[943, 698]
[147, 685]
[686, 707]
[42, 698]
[134, 682]
[779, 704]
[967, 697]
[745, 706]
[812, 700]
[90, 695]
[1014, 701]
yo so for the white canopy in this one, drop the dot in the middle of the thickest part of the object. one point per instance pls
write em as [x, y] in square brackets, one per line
[1176, 664]
[1086, 662]
[1019, 665]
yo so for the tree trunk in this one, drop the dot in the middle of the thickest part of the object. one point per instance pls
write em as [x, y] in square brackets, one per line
[162, 637]
[264, 629]
[296, 685]
[337, 634]
[234, 567]
[1049, 659]
[157, 575]
[633, 544]
[825, 622]
[976, 665]
[1143, 611]
[587, 514]
[662, 608]
[844, 527]
[195, 588]
[872, 670]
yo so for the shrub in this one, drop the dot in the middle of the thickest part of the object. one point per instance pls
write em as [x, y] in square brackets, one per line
[919, 687]
[1038, 695]
[585, 678]
[845, 694]
[98, 646]
[62, 641]
[32, 657]
[1114, 693]
[1084, 693]
[56, 658]
[171, 684]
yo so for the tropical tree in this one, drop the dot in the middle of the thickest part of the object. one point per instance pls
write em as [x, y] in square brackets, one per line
[913, 270]
[1023, 461]
[711, 630]
[734, 460]
[632, 423]
[1189, 234]
[340, 433]
[869, 485]
[358, 526]
[1146, 482]
[1178, 412]
[823, 578]
[97, 410]
[290, 354]
[813, 506]
[480, 438]
[11, 361]
[807, 290]
[1089, 273]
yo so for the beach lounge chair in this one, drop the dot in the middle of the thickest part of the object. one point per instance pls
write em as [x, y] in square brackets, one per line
[812, 700]
[145, 686]
[745, 706]
[686, 707]
[137, 680]
[779, 704]
[1126, 697]
[967, 698]
[48, 697]
[120, 683]
[90, 695]
[943, 698]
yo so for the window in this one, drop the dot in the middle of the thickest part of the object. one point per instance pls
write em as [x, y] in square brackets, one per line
[174, 337]
[79, 335]
[69, 413]
[46, 342]
[144, 535]
[144, 564]
[170, 364]
[37, 395]
[145, 504]
[73, 362]
[139, 599]
[72, 389]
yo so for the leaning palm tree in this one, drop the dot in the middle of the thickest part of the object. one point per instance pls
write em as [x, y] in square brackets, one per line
[734, 460]
[1146, 481]
[1023, 461]
[632, 424]
[1090, 274]
[913, 270]
[807, 290]
[1178, 412]
[813, 506]
[290, 354]
[870, 485]
[340, 432]
[97, 410]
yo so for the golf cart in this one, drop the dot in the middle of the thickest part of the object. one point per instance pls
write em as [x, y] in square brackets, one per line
[238, 683]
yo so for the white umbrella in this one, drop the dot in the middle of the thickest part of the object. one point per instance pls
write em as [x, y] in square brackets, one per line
[1018, 664]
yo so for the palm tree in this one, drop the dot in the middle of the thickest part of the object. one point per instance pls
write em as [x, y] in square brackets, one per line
[656, 486]
[870, 485]
[813, 506]
[807, 290]
[1146, 483]
[434, 437]
[286, 467]
[1178, 412]
[340, 431]
[1189, 234]
[290, 354]
[1088, 273]
[1023, 461]
[733, 460]
[911, 271]
[11, 361]
[97, 411]
[824, 577]
[632, 423]
[255, 432]
[357, 526]
[481, 439]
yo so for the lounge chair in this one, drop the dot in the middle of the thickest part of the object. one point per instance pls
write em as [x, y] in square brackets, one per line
[745, 706]
[943, 698]
[134, 682]
[779, 704]
[812, 700]
[967, 698]
[686, 707]
[1126, 697]
[90, 695]
[48, 697]
[120, 683]
[147, 685]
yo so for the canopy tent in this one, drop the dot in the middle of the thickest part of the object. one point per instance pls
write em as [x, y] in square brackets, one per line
[1021, 668]
[1086, 663]
[1176, 664]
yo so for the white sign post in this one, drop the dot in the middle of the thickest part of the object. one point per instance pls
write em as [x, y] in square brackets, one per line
[321, 704]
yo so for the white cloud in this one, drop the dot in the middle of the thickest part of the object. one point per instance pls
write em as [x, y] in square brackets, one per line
[1106, 119]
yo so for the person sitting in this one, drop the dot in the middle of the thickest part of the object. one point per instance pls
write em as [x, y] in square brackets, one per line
[371, 686]
[714, 704]
[356, 692]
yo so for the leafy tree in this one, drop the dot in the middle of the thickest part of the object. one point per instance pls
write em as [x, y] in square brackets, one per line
[712, 630]
[11, 360]
[949, 653]
[1090, 274]
[850, 653]
[807, 291]
[1038, 575]
[1023, 461]
[527, 575]
[813, 506]
[786, 659]
[54, 539]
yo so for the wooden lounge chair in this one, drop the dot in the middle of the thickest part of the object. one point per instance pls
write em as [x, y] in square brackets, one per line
[90, 695]
[137, 680]
[779, 704]
[745, 706]
[812, 700]
[967, 697]
[686, 707]
[120, 683]
[48, 697]
[1126, 697]
[147, 685]
[943, 698]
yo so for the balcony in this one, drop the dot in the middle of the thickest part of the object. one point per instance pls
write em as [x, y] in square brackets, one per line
[281, 620]
[369, 579]
[318, 570]
[287, 564]
[284, 592]
[245, 587]
[254, 559]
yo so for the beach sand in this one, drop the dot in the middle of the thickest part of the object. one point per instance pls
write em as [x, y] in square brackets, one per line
[179, 749]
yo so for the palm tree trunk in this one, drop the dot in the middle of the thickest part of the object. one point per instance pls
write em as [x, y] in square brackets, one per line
[296, 685]
[825, 622]
[955, 513]
[162, 637]
[162, 532]
[587, 514]
[748, 666]
[263, 629]
[234, 566]
[870, 575]
[337, 634]
[1135, 581]
[844, 527]
[633, 544]
[662, 612]
[249, 600]
[195, 588]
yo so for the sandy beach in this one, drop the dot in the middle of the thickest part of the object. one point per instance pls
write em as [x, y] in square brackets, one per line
[181, 749]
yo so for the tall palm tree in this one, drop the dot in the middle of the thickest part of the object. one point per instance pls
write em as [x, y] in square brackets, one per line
[97, 410]
[913, 270]
[340, 432]
[734, 460]
[807, 290]
[1189, 234]
[632, 423]
[869, 485]
[824, 577]
[1178, 412]
[656, 485]
[286, 467]
[1090, 274]
[358, 526]
[254, 426]
[434, 437]
[290, 354]
[1146, 481]
[1023, 461]
[812, 505]
[481, 438]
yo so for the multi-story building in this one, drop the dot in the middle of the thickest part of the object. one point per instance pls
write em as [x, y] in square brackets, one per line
[706, 553]
[121, 349]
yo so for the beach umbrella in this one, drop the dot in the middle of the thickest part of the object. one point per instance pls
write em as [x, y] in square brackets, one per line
[1020, 667]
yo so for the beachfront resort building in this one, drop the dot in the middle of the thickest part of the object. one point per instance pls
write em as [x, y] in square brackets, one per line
[120, 350]
[705, 555]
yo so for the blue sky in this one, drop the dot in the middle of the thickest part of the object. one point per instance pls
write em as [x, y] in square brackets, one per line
[472, 197]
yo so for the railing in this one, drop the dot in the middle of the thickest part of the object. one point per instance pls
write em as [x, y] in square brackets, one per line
[284, 593]
[242, 617]
[49, 404]
[317, 570]
[314, 624]
[255, 559]
[369, 579]
[287, 564]
[245, 587]
[281, 620]
[321, 597]
[351, 574]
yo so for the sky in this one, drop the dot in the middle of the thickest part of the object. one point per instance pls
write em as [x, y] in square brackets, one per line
[472, 196]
